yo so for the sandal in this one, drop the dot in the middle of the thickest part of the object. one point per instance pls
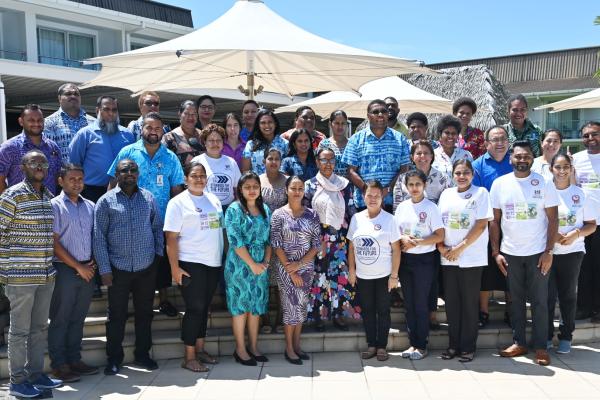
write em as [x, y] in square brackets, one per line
[449, 354]
[370, 353]
[382, 355]
[194, 366]
[266, 329]
[206, 358]
[279, 329]
[466, 357]
[484, 319]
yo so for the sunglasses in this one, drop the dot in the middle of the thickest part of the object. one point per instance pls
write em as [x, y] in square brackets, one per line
[128, 170]
[379, 111]
[151, 103]
[37, 165]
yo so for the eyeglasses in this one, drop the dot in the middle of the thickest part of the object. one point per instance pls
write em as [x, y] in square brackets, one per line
[330, 161]
[37, 165]
[206, 108]
[379, 111]
[498, 140]
[590, 135]
[129, 170]
[151, 103]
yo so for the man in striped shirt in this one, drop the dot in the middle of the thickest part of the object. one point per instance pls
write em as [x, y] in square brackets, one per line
[26, 250]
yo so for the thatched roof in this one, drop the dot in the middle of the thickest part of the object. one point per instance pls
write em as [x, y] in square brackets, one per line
[474, 81]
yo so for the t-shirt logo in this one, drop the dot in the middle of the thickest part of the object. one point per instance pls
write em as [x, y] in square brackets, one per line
[422, 217]
[468, 196]
[576, 199]
[535, 182]
[366, 249]
[377, 227]
[220, 186]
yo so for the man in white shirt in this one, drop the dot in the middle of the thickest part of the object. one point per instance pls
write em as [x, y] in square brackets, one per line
[526, 210]
[587, 171]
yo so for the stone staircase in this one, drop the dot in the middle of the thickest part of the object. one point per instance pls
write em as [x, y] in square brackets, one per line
[219, 341]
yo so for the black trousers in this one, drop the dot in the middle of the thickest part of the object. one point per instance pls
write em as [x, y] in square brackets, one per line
[563, 283]
[588, 290]
[163, 272]
[141, 285]
[375, 303]
[462, 287]
[197, 297]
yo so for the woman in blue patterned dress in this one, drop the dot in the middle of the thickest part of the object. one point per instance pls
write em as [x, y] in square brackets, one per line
[338, 125]
[301, 158]
[246, 277]
[266, 134]
[330, 196]
[295, 238]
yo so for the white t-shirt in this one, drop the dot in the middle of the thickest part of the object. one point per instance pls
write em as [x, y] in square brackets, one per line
[419, 220]
[587, 170]
[460, 212]
[574, 208]
[199, 221]
[372, 240]
[223, 175]
[543, 168]
[523, 202]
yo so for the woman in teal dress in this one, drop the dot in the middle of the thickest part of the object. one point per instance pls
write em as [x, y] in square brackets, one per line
[247, 222]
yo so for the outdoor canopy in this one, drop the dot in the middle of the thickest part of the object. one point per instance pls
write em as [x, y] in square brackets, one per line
[586, 100]
[410, 99]
[248, 45]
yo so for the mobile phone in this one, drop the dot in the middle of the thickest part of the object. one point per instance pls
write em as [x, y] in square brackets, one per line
[185, 281]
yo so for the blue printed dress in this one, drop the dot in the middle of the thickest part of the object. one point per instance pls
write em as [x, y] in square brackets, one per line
[245, 291]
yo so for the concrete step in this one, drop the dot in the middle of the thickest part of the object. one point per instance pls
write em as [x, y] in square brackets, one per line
[168, 345]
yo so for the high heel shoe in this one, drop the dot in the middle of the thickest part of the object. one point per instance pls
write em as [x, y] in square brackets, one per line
[295, 361]
[251, 362]
[260, 358]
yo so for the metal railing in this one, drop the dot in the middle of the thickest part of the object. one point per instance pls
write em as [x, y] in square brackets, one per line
[65, 62]
[13, 55]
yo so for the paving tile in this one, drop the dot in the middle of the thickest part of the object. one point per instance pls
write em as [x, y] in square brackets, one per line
[347, 390]
[295, 390]
[450, 389]
[523, 390]
[389, 373]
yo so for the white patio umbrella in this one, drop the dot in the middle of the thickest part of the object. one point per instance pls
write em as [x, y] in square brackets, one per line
[410, 99]
[249, 44]
[586, 100]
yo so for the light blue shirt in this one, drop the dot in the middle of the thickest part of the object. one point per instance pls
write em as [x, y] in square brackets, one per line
[95, 151]
[376, 158]
[157, 174]
[257, 157]
[74, 224]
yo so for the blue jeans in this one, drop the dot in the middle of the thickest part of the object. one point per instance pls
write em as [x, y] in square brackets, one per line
[68, 309]
[416, 274]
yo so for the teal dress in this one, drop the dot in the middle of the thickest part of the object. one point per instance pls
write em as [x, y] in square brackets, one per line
[245, 291]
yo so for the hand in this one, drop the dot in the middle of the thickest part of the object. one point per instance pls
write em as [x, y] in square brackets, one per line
[292, 266]
[178, 273]
[258, 268]
[569, 238]
[298, 282]
[352, 277]
[454, 253]
[86, 271]
[407, 242]
[545, 262]
[444, 250]
[392, 284]
[107, 279]
[502, 264]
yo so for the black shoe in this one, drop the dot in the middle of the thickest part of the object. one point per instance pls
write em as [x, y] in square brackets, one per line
[260, 358]
[484, 319]
[295, 361]
[251, 362]
[97, 292]
[168, 309]
[341, 326]
[434, 326]
[146, 362]
[302, 355]
[112, 369]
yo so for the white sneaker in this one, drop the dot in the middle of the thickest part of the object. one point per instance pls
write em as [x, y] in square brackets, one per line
[418, 354]
[406, 353]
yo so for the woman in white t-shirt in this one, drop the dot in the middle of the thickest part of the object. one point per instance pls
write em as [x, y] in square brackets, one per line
[465, 210]
[193, 221]
[373, 261]
[576, 220]
[222, 171]
[420, 225]
[551, 142]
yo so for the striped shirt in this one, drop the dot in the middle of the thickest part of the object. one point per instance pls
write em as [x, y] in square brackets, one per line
[73, 223]
[376, 158]
[127, 231]
[26, 240]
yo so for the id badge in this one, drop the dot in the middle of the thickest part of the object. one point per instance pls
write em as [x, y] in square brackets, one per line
[159, 180]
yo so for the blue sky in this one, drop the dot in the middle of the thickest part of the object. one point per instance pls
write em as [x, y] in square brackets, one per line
[434, 30]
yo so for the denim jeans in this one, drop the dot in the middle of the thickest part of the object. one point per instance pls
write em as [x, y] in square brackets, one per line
[29, 306]
[68, 309]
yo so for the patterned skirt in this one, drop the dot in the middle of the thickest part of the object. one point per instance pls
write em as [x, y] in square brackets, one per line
[331, 295]
[294, 299]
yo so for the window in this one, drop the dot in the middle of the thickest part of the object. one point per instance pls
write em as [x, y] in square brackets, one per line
[566, 121]
[68, 49]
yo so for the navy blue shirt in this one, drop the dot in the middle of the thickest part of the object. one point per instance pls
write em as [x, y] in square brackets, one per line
[487, 170]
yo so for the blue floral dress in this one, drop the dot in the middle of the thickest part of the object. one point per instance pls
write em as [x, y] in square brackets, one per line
[331, 295]
[245, 291]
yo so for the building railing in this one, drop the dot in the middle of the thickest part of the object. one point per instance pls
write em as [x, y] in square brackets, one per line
[65, 62]
[13, 55]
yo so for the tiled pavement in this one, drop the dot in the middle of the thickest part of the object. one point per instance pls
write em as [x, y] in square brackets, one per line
[345, 376]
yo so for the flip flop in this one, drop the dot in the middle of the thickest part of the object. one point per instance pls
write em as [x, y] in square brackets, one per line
[466, 357]
[194, 366]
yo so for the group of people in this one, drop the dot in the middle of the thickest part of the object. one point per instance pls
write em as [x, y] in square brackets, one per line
[297, 225]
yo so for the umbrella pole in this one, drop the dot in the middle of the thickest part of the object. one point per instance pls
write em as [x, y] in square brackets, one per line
[250, 75]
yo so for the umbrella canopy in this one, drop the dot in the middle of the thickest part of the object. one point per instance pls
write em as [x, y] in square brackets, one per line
[586, 100]
[410, 99]
[249, 44]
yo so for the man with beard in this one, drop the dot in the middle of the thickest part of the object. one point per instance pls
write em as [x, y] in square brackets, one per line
[160, 174]
[31, 138]
[587, 170]
[526, 210]
[68, 120]
[128, 243]
[95, 147]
